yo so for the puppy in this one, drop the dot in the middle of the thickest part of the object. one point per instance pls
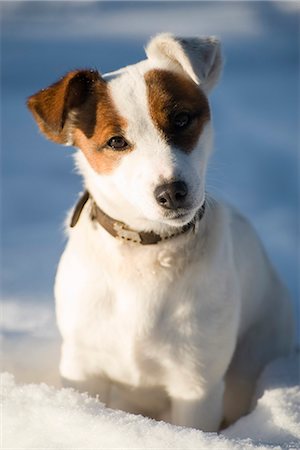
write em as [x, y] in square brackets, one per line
[166, 302]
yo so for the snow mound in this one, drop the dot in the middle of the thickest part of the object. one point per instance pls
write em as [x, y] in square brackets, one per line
[276, 417]
[40, 416]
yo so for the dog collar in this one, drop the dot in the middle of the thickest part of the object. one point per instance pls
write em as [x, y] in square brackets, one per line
[121, 231]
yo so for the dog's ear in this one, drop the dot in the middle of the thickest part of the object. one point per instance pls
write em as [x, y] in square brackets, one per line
[200, 58]
[60, 107]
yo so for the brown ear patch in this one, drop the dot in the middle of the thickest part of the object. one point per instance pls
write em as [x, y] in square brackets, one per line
[78, 110]
[169, 94]
[70, 101]
[82, 98]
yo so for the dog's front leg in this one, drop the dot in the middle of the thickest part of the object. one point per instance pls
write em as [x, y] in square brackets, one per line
[74, 374]
[204, 411]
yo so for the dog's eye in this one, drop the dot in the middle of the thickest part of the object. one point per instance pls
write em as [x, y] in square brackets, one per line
[182, 120]
[117, 143]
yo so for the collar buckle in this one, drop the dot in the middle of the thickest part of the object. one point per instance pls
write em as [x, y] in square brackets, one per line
[127, 235]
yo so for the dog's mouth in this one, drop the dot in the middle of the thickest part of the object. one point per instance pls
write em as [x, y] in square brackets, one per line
[183, 216]
[180, 217]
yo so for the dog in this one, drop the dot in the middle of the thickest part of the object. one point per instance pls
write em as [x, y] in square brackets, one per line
[166, 301]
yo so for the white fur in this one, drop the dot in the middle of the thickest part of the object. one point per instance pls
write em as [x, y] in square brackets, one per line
[181, 329]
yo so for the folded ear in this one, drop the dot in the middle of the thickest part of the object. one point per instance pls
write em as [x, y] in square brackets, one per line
[200, 58]
[59, 107]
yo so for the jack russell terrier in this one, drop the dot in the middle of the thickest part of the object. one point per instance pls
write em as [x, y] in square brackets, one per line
[166, 301]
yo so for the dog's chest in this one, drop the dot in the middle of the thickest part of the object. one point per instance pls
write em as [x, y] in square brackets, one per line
[129, 311]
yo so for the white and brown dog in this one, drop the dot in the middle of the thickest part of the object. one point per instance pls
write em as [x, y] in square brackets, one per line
[166, 301]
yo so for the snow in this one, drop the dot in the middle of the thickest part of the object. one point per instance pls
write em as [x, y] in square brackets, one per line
[35, 415]
[276, 416]
[255, 167]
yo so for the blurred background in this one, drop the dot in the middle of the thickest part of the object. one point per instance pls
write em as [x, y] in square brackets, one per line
[256, 117]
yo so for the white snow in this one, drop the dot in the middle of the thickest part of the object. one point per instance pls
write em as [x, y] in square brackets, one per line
[256, 116]
[40, 417]
[276, 417]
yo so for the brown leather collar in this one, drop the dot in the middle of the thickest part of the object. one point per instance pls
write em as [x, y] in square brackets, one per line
[121, 231]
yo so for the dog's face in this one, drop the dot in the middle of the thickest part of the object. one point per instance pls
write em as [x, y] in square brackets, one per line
[144, 132]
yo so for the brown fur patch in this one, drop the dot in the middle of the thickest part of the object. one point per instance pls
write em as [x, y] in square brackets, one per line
[170, 93]
[79, 108]
[56, 107]
[108, 124]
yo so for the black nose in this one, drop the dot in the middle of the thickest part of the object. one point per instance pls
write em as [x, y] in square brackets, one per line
[171, 195]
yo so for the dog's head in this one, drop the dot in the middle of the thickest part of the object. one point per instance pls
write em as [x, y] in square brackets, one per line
[143, 133]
